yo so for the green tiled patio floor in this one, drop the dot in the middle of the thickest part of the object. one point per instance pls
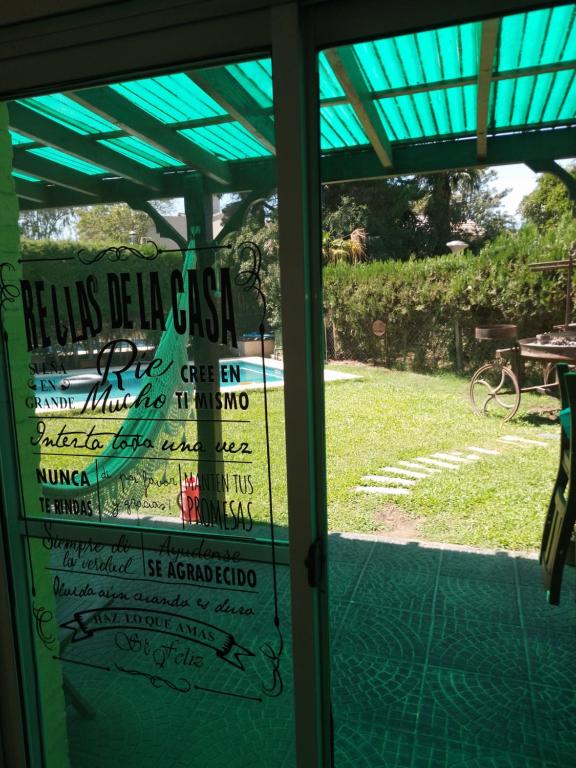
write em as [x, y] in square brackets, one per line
[441, 658]
[449, 658]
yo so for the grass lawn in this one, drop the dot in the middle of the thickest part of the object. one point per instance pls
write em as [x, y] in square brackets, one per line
[388, 416]
[376, 420]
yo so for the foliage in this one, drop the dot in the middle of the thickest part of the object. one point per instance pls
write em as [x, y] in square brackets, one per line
[351, 248]
[461, 204]
[384, 208]
[420, 300]
[117, 223]
[349, 215]
[47, 223]
[261, 227]
[416, 216]
[549, 202]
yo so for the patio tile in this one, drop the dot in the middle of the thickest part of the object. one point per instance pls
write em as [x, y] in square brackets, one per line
[430, 752]
[370, 745]
[480, 710]
[537, 612]
[551, 656]
[405, 557]
[366, 689]
[343, 548]
[408, 590]
[555, 715]
[497, 566]
[343, 579]
[488, 648]
[475, 599]
[529, 572]
[383, 633]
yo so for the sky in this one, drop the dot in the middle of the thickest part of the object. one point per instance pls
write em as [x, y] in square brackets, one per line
[520, 180]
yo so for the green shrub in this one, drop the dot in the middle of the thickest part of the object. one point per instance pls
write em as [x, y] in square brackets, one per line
[422, 301]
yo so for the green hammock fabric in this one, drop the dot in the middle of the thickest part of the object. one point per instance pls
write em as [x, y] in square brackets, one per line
[105, 472]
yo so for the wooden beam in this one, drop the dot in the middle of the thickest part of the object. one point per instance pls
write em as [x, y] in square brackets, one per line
[163, 226]
[130, 118]
[490, 29]
[457, 82]
[506, 149]
[226, 91]
[35, 126]
[347, 70]
[30, 190]
[112, 191]
[56, 174]
[351, 165]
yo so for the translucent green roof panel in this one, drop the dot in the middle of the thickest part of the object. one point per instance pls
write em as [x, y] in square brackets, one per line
[229, 141]
[141, 152]
[525, 101]
[424, 57]
[18, 140]
[537, 38]
[63, 158]
[330, 88]
[68, 113]
[25, 176]
[255, 77]
[170, 98]
[435, 113]
[339, 127]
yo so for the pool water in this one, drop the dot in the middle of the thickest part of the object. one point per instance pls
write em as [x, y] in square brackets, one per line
[76, 386]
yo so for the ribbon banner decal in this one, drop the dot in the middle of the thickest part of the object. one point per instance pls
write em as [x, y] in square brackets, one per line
[87, 623]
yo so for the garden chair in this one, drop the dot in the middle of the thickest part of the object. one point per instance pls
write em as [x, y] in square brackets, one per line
[561, 516]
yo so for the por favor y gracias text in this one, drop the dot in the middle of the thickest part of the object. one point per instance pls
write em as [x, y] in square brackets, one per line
[200, 302]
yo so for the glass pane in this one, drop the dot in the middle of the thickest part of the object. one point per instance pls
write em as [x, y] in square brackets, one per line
[445, 651]
[144, 350]
[157, 656]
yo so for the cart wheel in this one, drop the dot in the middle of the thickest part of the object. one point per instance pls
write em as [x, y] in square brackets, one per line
[494, 387]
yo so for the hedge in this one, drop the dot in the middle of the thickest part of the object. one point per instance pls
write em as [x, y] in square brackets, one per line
[431, 306]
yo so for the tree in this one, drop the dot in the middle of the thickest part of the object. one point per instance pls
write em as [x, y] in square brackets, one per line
[47, 224]
[117, 224]
[460, 204]
[549, 202]
[383, 208]
[416, 215]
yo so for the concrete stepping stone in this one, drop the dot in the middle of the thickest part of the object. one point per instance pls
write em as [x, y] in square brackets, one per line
[522, 440]
[451, 457]
[381, 489]
[406, 472]
[487, 451]
[391, 480]
[421, 467]
[438, 463]
[469, 456]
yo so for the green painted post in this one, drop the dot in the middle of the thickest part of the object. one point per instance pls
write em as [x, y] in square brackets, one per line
[42, 700]
[198, 209]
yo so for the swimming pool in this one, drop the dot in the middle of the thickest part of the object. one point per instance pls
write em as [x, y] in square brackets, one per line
[70, 390]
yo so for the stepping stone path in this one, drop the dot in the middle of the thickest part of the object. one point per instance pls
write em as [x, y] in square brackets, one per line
[399, 480]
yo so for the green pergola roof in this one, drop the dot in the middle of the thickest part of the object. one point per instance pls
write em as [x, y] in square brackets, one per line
[502, 90]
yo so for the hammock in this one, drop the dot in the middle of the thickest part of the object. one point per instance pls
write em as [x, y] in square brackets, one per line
[105, 472]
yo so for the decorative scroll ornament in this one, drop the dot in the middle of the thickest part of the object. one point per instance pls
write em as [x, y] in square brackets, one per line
[8, 291]
[42, 617]
[249, 279]
[118, 253]
[274, 657]
[157, 681]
